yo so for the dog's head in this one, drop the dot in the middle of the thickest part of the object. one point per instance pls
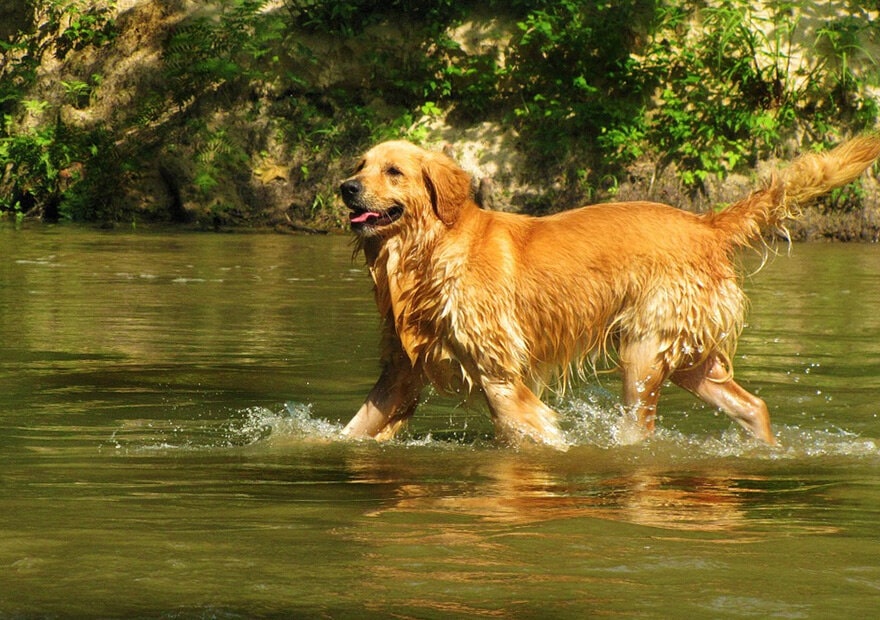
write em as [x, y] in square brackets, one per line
[398, 185]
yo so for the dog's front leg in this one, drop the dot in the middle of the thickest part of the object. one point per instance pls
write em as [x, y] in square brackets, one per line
[390, 403]
[520, 415]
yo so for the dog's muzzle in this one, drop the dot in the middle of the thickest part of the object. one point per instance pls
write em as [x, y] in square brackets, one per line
[363, 218]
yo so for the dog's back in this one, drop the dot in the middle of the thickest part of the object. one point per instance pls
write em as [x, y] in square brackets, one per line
[582, 281]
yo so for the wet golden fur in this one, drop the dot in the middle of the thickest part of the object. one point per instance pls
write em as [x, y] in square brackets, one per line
[502, 304]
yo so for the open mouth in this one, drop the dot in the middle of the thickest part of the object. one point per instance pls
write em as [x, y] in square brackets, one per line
[361, 218]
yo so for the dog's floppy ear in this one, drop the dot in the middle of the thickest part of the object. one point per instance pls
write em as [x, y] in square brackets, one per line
[448, 186]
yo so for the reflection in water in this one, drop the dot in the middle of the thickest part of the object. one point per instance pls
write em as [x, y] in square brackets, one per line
[512, 490]
[530, 522]
[515, 489]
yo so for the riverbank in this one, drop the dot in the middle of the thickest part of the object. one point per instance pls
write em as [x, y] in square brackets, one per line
[246, 115]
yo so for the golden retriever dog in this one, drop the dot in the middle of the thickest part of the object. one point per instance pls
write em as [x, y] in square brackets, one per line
[501, 304]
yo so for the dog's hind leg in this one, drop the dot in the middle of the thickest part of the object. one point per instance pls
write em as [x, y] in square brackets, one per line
[712, 381]
[643, 375]
[519, 415]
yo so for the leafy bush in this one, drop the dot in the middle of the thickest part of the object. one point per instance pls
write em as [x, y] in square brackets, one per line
[732, 92]
[572, 73]
[43, 164]
[221, 51]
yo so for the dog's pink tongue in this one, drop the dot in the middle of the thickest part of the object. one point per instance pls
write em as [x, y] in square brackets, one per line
[363, 217]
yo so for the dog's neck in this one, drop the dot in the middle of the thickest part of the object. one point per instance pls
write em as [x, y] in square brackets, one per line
[370, 246]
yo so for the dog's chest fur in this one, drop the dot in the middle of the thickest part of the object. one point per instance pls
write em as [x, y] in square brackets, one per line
[439, 313]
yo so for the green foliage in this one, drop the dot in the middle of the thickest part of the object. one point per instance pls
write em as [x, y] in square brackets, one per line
[57, 171]
[78, 93]
[731, 93]
[602, 84]
[59, 27]
[571, 73]
[590, 87]
[90, 23]
[217, 155]
[350, 18]
[47, 167]
[220, 51]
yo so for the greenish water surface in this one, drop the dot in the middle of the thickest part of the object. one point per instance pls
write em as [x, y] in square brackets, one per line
[170, 406]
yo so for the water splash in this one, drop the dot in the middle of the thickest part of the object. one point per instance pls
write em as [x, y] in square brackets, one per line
[294, 422]
[599, 421]
[241, 428]
[594, 420]
[796, 442]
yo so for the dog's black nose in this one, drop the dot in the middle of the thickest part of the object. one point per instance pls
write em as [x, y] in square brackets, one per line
[350, 189]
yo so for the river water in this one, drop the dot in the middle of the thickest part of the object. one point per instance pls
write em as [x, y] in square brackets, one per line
[170, 406]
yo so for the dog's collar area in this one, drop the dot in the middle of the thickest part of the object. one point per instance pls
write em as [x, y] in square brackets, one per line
[363, 219]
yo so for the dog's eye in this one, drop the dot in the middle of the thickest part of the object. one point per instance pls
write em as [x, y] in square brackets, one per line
[393, 171]
[360, 166]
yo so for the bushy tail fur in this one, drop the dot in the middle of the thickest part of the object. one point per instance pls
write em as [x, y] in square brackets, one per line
[808, 177]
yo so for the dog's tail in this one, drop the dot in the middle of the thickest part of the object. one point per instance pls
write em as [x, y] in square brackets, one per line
[808, 177]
